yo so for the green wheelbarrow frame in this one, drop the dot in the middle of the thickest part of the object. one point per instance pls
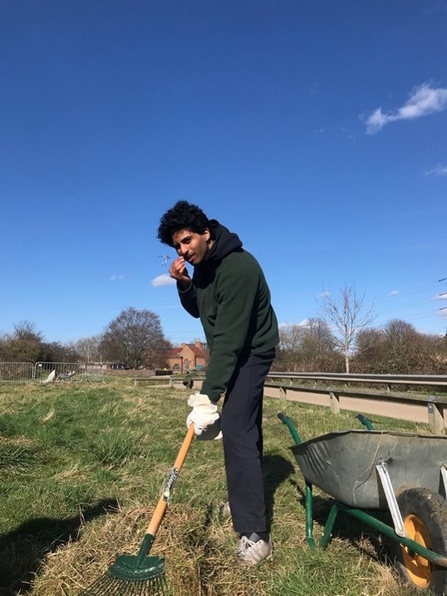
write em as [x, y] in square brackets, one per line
[355, 512]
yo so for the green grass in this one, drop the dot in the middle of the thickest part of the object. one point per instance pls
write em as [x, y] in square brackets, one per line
[81, 470]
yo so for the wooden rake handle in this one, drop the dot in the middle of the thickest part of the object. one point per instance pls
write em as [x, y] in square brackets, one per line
[162, 505]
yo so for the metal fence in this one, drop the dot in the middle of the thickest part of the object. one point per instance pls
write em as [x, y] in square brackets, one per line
[16, 371]
[51, 372]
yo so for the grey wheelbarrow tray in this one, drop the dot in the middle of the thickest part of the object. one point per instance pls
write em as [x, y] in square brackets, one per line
[367, 469]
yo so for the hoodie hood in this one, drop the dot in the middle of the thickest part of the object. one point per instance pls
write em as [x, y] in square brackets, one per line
[224, 242]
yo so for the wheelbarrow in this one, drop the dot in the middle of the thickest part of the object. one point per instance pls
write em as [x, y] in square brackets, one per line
[368, 471]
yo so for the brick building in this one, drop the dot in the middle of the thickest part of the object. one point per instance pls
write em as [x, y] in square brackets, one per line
[187, 357]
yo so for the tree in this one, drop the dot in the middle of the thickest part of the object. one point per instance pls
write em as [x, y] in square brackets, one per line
[135, 338]
[25, 330]
[368, 350]
[58, 352]
[88, 348]
[24, 345]
[317, 347]
[27, 344]
[407, 351]
[290, 339]
[347, 315]
[307, 347]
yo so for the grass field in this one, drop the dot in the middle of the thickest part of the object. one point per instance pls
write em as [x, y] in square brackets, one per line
[81, 470]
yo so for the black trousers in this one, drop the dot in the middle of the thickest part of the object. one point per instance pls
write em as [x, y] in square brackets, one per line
[241, 423]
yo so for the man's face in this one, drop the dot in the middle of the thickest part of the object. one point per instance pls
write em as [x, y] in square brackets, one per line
[191, 245]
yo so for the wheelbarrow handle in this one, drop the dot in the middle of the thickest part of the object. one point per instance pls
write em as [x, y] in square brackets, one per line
[286, 420]
[365, 421]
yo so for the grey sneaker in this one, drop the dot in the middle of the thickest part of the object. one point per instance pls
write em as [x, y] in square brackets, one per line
[253, 550]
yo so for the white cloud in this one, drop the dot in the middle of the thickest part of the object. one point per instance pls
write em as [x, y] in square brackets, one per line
[303, 323]
[394, 292]
[376, 121]
[423, 100]
[163, 280]
[116, 277]
[439, 170]
[442, 296]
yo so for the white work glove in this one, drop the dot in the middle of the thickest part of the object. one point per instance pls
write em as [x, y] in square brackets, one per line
[205, 417]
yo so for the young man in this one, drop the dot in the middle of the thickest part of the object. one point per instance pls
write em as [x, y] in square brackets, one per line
[229, 293]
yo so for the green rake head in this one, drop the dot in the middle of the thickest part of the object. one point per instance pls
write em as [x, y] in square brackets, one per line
[131, 568]
[132, 576]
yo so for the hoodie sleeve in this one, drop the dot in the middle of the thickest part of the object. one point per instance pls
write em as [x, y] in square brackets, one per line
[236, 313]
[188, 299]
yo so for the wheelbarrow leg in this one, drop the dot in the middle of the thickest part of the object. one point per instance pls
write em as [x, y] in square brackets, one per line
[309, 503]
[326, 538]
[308, 495]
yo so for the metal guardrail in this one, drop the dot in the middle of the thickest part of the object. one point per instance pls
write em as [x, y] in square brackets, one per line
[423, 380]
[351, 392]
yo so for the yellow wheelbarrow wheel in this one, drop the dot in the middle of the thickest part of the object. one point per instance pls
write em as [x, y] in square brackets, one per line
[424, 514]
[418, 568]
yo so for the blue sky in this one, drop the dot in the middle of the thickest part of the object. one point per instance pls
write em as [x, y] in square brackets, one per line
[316, 130]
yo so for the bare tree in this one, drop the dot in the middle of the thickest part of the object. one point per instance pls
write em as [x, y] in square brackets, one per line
[369, 344]
[27, 344]
[346, 314]
[307, 347]
[290, 340]
[59, 352]
[407, 351]
[25, 330]
[317, 347]
[88, 348]
[135, 338]
[24, 345]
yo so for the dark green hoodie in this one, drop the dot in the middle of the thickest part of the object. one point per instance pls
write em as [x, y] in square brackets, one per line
[230, 295]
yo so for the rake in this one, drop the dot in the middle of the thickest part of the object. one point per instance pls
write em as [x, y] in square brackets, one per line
[143, 575]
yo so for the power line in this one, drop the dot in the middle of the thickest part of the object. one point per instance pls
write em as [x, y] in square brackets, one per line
[413, 303]
[410, 291]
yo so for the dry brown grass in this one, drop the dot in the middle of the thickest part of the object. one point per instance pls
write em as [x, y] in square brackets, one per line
[198, 561]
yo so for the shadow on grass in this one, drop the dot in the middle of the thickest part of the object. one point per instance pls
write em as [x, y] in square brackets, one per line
[354, 531]
[277, 470]
[23, 550]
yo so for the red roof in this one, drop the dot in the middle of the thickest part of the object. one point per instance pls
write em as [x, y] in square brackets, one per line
[198, 352]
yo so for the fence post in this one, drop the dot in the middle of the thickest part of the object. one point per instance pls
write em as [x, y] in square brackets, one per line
[435, 414]
[282, 393]
[334, 402]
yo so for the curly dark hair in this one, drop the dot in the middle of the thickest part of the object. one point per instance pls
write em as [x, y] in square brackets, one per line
[183, 216]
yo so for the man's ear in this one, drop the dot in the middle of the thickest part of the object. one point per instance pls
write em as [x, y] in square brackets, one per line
[207, 235]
